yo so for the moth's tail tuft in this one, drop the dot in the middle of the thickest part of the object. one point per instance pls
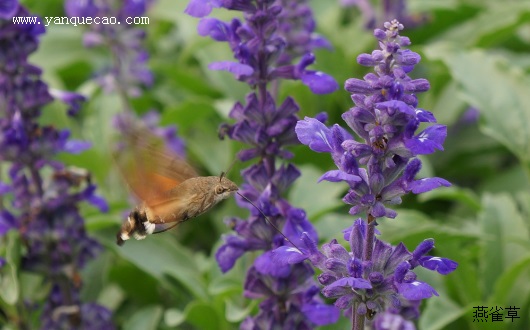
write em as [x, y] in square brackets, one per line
[133, 226]
[119, 240]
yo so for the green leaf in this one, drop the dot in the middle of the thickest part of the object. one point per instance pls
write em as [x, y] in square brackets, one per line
[236, 313]
[203, 316]
[111, 296]
[9, 288]
[161, 256]
[315, 198]
[223, 285]
[331, 225]
[498, 90]
[512, 179]
[61, 45]
[410, 225]
[9, 284]
[506, 282]
[496, 22]
[439, 313]
[447, 107]
[33, 286]
[199, 121]
[173, 317]
[453, 193]
[146, 318]
[502, 227]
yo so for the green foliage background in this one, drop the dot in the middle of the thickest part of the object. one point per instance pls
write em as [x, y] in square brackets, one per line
[474, 53]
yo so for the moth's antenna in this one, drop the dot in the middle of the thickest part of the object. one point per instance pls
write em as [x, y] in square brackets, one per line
[223, 174]
[270, 222]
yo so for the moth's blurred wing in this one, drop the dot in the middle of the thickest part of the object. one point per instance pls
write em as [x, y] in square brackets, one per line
[168, 164]
[176, 206]
[149, 168]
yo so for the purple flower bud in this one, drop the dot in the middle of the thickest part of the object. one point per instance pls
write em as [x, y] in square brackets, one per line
[376, 278]
[336, 266]
[362, 309]
[380, 34]
[420, 85]
[326, 278]
[344, 302]
[353, 85]
[366, 60]
[407, 57]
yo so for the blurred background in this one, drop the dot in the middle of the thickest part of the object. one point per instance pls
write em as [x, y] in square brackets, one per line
[476, 55]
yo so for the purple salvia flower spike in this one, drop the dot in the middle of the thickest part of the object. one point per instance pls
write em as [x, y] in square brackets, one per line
[379, 167]
[272, 42]
[46, 195]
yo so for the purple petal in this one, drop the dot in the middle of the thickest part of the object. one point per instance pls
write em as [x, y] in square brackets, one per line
[425, 116]
[392, 106]
[4, 188]
[288, 255]
[266, 265]
[353, 282]
[76, 146]
[321, 314]
[247, 154]
[319, 82]
[214, 28]
[416, 290]
[427, 184]
[237, 69]
[398, 257]
[7, 222]
[72, 100]
[314, 134]
[423, 248]
[80, 8]
[2, 262]
[338, 175]
[99, 202]
[321, 42]
[441, 265]
[386, 321]
[428, 140]
[413, 168]
[134, 8]
[227, 255]
[200, 8]
[8, 8]
[322, 117]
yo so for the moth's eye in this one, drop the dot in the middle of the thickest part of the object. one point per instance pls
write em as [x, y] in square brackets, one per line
[219, 189]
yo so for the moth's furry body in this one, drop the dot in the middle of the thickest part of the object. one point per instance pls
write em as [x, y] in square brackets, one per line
[169, 189]
[187, 200]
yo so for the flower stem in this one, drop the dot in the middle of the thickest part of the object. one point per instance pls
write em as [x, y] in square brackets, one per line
[369, 242]
[357, 322]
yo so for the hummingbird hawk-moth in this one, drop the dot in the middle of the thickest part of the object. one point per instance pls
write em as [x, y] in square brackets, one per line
[171, 191]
